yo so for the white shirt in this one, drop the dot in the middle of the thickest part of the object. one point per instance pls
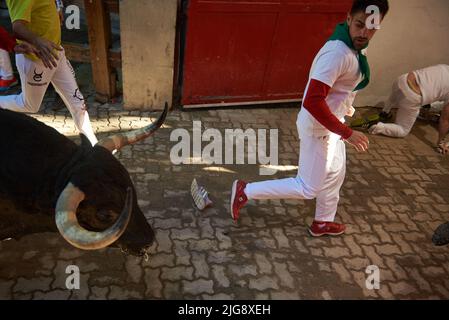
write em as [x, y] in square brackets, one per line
[434, 83]
[337, 66]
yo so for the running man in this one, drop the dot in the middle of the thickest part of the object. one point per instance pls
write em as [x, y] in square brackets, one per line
[38, 23]
[338, 71]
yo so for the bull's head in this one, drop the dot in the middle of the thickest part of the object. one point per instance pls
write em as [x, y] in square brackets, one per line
[98, 206]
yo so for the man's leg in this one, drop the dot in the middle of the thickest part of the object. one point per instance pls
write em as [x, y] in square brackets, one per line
[313, 169]
[34, 78]
[5, 65]
[315, 159]
[408, 103]
[328, 198]
[405, 119]
[395, 95]
[65, 85]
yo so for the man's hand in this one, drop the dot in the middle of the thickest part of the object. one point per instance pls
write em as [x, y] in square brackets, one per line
[443, 147]
[25, 48]
[359, 141]
[443, 129]
[46, 51]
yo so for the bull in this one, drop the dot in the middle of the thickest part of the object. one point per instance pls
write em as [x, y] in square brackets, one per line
[48, 183]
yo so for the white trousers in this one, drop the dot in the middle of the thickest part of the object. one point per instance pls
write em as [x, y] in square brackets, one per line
[322, 169]
[408, 103]
[35, 79]
[5, 65]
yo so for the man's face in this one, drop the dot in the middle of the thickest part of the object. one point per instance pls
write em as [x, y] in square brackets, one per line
[360, 33]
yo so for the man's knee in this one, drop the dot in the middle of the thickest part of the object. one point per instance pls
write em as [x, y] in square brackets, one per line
[30, 107]
[310, 192]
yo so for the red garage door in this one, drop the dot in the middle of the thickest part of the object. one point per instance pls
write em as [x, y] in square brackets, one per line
[253, 51]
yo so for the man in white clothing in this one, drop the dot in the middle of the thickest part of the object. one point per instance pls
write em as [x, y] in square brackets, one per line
[339, 70]
[38, 23]
[410, 92]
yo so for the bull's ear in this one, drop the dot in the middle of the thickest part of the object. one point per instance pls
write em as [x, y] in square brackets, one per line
[85, 143]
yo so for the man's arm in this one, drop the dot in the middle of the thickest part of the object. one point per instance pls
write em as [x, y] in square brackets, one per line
[315, 103]
[443, 129]
[45, 49]
[9, 43]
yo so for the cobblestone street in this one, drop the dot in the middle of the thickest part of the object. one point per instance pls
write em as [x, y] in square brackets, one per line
[392, 200]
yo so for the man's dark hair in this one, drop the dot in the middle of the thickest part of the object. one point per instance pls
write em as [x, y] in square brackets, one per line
[361, 5]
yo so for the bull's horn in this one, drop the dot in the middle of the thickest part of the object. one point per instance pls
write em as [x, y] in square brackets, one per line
[120, 140]
[79, 237]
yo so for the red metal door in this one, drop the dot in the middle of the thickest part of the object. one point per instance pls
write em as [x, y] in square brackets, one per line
[253, 51]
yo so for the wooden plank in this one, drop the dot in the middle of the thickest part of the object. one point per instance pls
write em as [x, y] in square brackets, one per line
[99, 28]
[112, 6]
[81, 53]
[77, 52]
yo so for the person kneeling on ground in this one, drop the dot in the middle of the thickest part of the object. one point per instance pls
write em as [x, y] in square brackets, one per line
[410, 92]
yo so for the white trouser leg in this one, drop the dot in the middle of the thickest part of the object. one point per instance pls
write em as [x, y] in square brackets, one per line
[5, 65]
[65, 85]
[34, 78]
[405, 119]
[407, 115]
[408, 103]
[387, 107]
[317, 174]
[327, 199]
[395, 95]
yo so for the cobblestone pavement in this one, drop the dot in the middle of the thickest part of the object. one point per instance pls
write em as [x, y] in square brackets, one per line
[392, 200]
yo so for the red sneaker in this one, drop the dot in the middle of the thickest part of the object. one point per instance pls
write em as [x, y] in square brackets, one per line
[238, 198]
[318, 229]
[7, 84]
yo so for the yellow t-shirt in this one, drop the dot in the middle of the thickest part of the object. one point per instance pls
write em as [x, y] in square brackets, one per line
[42, 18]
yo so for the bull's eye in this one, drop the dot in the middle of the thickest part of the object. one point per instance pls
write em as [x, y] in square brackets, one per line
[106, 215]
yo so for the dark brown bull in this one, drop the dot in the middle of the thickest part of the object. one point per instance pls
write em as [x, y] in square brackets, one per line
[46, 178]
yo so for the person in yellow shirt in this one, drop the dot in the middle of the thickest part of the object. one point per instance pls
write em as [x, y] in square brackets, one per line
[38, 23]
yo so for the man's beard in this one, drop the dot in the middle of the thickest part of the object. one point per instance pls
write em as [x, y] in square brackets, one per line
[359, 43]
